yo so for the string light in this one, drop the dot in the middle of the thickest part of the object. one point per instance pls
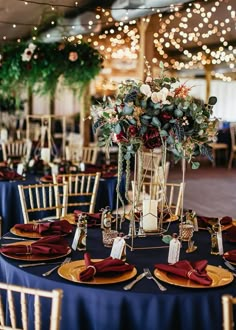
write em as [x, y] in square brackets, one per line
[175, 29]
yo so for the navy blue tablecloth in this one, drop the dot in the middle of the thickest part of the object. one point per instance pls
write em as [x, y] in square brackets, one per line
[10, 208]
[100, 307]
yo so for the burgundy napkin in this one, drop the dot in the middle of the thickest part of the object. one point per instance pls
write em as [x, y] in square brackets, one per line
[8, 174]
[195, 271]
[103, 267]
[51, 245]
[226, 221]
[230, 255]
[230, 234]
[93, 219]
[205, 222]
[47, 228]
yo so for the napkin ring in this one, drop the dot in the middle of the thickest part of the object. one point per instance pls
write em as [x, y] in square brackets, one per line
[94, 269]
[189, 273]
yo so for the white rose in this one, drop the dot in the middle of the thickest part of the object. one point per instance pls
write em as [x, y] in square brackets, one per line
[32, 47]
[146, 90]
[160, 96]
[26, 56]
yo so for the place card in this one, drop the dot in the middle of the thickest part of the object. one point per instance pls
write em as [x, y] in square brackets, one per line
[118, 248]
[150, 218]
[220, 242]
[174, 250]
[45, 155]
[76, 239]
[20, 168]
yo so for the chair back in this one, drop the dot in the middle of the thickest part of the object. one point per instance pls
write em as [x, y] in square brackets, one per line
[82, 190]
[90, 155]
[16, 149]
[233, 144]
[151, 161]
[227, 308]
[74, 153]
[43, 199]
[169, 196]
[15, 312]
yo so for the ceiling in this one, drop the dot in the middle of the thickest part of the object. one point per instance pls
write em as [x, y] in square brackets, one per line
[21, 19]
[18, 18]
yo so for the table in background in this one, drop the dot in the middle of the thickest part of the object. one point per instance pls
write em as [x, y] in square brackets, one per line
[10, 207]
[89, 307]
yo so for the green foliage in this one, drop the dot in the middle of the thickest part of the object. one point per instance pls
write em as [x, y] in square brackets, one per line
[40, 66]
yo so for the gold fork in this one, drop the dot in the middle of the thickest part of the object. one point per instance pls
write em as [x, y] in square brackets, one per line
[66, 261]
[150, 277]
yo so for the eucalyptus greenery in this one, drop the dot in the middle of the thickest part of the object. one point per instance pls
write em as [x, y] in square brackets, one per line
[40, 66]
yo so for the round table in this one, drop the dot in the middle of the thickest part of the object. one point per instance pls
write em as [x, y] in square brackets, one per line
[89, 307]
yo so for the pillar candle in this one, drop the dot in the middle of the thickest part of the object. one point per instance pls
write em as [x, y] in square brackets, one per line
[150, 215]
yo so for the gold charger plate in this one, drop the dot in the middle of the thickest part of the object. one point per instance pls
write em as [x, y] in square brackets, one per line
[46, 180]
[70, 218]
[32, 257]
[219, 276]
[223, 227]
[26, 234]
[71, 272]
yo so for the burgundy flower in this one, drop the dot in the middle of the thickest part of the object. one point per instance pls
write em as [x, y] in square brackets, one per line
[151, 138]
[165, 117]
[132, 131]
[120, 137]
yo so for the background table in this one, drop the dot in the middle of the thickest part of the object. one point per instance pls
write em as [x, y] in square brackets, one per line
[89, 307]
[10, 207]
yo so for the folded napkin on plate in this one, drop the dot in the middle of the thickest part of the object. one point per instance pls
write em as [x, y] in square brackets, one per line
[230, 255]
[46, 178]
[8, 174]
[195, 271]
[205, 222]
[51, 245]
[103, 267]
[47, 228]
[230, 234]
[226, 221]
[93, 219]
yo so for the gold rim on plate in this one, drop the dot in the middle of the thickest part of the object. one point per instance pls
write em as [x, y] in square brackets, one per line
[70, 218]
[71, 272]
[26, 234]
[219, 276]
[32, 257]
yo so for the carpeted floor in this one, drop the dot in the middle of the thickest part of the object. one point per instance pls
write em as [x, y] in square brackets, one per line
[208, 191]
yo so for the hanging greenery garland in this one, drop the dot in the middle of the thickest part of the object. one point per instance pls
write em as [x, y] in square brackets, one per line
[40, 65]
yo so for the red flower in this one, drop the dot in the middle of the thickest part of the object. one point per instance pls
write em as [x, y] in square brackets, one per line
[151, 138]
[120, 137]
[132, 131]
[165, 117]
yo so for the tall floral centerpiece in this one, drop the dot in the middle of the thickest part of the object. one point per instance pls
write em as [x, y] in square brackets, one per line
[159, 112]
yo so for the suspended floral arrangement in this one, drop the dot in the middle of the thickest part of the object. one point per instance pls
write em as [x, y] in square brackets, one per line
[40, 66]
[159, 113]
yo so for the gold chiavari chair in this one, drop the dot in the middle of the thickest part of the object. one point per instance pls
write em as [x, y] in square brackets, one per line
[227, 308]
[21, 302]
[82, 190]
[169, 196]
[90, 155]
[41, 199]
[16, 150]
[233, 144]
[151, 162]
